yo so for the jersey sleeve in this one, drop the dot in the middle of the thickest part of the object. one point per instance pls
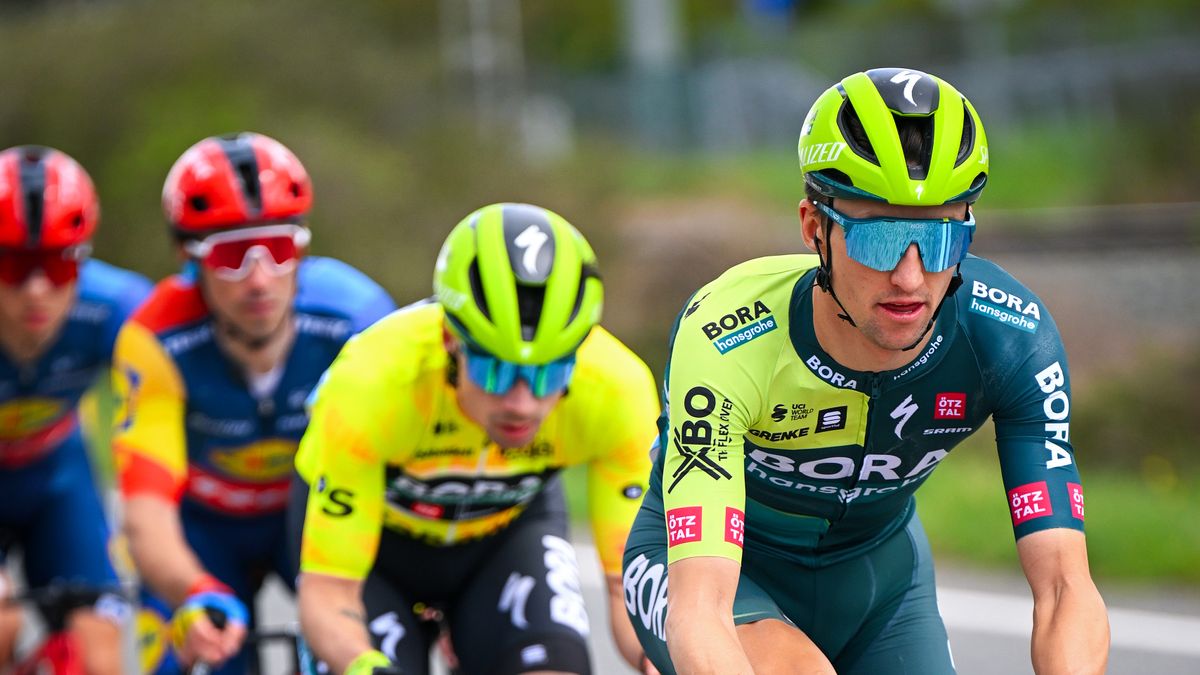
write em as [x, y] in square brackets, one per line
[339, 457]
[618, 472]
[713, 395]
[1037, 460]
[148, 438]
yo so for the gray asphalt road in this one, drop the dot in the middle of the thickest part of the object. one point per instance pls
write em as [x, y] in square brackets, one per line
[988, 616]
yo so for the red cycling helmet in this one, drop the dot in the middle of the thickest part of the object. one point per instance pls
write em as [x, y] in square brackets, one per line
[47, 201]
[225, 182]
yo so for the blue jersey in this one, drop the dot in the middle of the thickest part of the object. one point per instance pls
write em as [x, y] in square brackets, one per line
[38, 400]
[191, 425]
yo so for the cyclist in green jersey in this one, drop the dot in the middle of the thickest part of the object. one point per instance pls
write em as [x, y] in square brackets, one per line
[809, 396]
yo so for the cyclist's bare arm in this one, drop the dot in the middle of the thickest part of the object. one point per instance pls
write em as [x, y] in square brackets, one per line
[699, 626]
[1070, 623]
[164, 560]
[333, 618]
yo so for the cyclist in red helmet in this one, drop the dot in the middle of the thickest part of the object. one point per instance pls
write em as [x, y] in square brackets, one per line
[214, 371]
[59, 315]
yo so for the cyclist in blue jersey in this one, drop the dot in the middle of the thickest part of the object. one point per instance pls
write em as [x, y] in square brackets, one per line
[811, 395]
[59, 315]
[214, 371]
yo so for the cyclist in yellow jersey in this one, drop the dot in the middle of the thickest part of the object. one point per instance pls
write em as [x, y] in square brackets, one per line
[430, 461]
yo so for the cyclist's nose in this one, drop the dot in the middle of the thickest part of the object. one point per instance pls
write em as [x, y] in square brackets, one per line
[909, 273]
[520, 399]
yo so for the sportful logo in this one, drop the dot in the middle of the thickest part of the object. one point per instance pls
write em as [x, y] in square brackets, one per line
[831, 419]
[1004, 307]
[778, 413]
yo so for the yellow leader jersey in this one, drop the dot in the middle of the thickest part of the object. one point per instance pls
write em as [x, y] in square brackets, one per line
[388, 446]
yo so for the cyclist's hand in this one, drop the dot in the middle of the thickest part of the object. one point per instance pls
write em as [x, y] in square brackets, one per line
[371, 663]
[196, 637]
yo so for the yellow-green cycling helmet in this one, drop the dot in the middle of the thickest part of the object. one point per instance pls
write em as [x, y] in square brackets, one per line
[850, 146]
[520, 282]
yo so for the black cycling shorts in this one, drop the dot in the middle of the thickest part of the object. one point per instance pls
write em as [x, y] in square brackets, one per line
[512, 600]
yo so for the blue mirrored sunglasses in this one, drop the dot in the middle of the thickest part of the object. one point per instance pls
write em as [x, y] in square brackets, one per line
[880, 243]
[496, 376]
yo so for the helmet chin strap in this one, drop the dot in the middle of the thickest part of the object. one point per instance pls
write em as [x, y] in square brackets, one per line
[824, 281]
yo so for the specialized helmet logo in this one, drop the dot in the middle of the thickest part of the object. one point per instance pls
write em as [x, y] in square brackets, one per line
[910, 79]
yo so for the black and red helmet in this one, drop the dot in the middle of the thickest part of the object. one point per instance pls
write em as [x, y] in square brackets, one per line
[226, 182]
[47, 200]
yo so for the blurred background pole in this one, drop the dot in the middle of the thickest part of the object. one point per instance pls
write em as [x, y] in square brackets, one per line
[653, 44]
[481, 46]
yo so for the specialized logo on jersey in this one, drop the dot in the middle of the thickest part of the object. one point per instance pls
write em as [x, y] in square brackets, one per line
[262, 461]
[1004, 307]
[1029, 501]
[747, 323]
[695, 439]
[903, 412]
[950, 406]
[25, 416]
[694, 306]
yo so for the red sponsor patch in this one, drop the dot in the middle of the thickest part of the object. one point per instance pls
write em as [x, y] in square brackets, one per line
[1075, 490]
[735, 526]
[683, 525]
[950, 406]
[428, 510]
[1029, 501]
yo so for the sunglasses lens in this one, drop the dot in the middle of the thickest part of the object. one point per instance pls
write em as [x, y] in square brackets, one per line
[880, 243]
[236, 257]
[59, 267]
[497, 377]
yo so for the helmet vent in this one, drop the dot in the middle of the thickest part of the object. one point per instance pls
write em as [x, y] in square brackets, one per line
[33, 187]
[529, 309]
[852, 130]
[239, 150]
[967, 144]
[477, 290]
[199, 203]
[588, 272]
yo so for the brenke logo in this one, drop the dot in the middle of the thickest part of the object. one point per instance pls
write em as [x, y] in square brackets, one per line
[745, 323]
[1004, 307]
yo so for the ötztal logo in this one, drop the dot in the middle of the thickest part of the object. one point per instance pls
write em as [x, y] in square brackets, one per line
[950, 406]
[683, 525]
[1029, 501]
